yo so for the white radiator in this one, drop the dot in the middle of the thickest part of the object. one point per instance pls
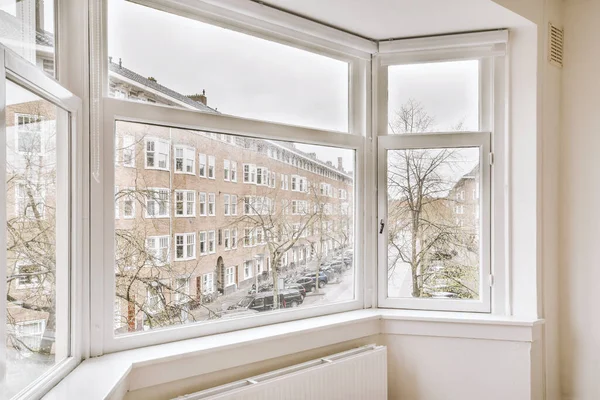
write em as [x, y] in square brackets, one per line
[358, 374]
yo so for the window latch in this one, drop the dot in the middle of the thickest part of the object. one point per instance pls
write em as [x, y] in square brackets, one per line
[381, 225]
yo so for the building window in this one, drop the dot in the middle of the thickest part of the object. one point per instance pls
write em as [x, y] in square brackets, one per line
[234, 238]
[185, 246]
[226, 200]
[211, 242]
[129, 204]
[203, 247]
[202, 202]
[185, 203]
[30, 200]
[233, 171]
[185, 159]
[128, 151]
[157, 250]
[30, 334]
[157, 154]
[248, 269]
[247, 237]
[28, 275]
[226, 170]
[202, 165]
[208, 285]
[157, 203]
[30, 130]
[211, 167]
[250, 173]
[182, 290]
[211, 205]
[234, 204]
[229, 276]
[227, 239]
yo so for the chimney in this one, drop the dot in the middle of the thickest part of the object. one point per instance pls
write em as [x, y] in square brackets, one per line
[153, 79]
[110, 60]
[200, 98]
[120, 64]
[340, 164]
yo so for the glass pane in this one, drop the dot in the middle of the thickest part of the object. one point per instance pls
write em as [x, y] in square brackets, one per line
[442, 97]
[434, 223]
[190, 64]
[27, 28]
[279, 222]
[36, 331]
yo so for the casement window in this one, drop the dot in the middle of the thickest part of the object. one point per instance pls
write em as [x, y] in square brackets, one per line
[233, 171]
[211, 167]
[30, 133]
[157, 250]
[226, 199]
[181, 288]
[248, 266]
[185, 160]
[247, 237]
[202, 203]
[157, 154]
[234, 238]
[294, 183]
[29, 334]
[262, 176]
[230, 276]
[128, 200]
[185, 203]
[128, 151]
[185, 246]
[202, 165]
[234, 201]
[249, 173]
[208, 285]
[211, 205]
[28, 275]
[226, 170]
[157, 203]
[227, 239]
[211, 242]
[30, 200]
[154, 299]
[203, 246]
[430, 157]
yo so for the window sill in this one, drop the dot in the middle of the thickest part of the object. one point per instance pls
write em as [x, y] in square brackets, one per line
[110, 376]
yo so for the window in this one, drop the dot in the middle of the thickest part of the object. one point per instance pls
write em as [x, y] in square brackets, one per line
[202, 165]
[230, 276]
[227, 239]
[211, 167]
[211, 204]
[203, 247]
[234, 204]
[128, 151]
[182, 288]
[208, 285]
[296, 72]
[185, 159]
[185, 246]
[248, 269]
[157, 250]
[234, 238]
[127, 196]
[211, 242]
[202, 203]
[38, 258]
[185, 203]
[157, 154]
[226, 204]
[29, 133]
[157, 203]
[226, 170]
[250, 173]
[233, 171]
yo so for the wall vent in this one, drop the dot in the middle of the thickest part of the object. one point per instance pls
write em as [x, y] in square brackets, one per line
[555, 45]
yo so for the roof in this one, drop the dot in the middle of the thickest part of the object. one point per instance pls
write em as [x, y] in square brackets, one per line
[10, 28]
[129, 74]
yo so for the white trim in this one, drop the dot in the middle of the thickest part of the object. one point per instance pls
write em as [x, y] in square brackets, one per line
[271, 24]
[488, 38]
[3, 216]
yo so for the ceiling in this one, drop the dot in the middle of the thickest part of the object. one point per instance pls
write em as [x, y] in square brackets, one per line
[386, 19]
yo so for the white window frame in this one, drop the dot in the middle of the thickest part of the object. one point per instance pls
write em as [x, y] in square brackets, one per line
[202, 166]
[211, 168]
[234, 204]
[185, 203]
[203, 236]
[234, 238]
[132, 199]
[187, 239]
[234, 171]
[208, 285]
[158, 143]
[203, 204]
[188, 160]
[226, 170]
[158, 249]
[41, 132]
[490, 49]
[128, 145]
[356, 139]
[72, 289]
[212, 242]
[229, 276]
[212, 211]
[226, 204]
[227, 239]
[167, 206]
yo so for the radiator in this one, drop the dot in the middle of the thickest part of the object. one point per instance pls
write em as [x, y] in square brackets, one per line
[358, 374]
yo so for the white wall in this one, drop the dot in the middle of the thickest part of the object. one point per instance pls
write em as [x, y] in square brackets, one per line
[580, 196]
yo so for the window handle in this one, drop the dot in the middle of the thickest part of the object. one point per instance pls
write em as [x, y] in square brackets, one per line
[381, 225]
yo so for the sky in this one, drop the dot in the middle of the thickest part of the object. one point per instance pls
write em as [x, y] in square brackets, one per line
[10, 6]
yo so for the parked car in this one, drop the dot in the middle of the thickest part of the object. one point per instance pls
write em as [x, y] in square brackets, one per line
[296, 286]
[323, 280]
[264, 301]
[265, 287]
[307, 283]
